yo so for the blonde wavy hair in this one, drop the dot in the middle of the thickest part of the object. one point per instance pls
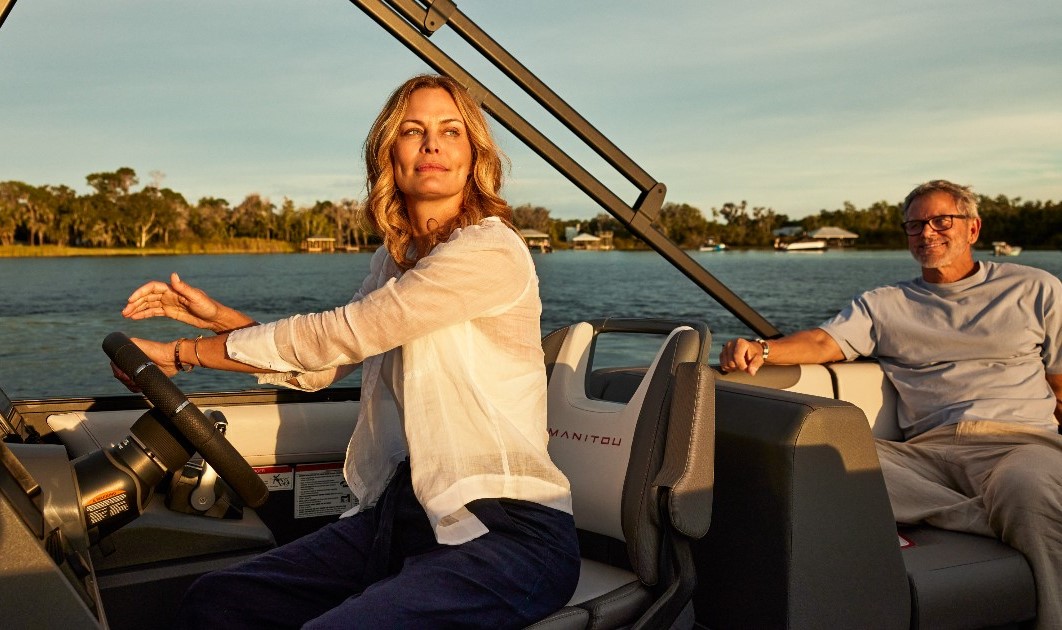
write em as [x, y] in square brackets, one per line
[385, 209]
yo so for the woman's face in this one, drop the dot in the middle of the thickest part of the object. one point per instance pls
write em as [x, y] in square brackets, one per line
[432, 155]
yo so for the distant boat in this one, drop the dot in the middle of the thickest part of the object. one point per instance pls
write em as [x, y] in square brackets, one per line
[711, 246]
[808, 245]
[1001, 248]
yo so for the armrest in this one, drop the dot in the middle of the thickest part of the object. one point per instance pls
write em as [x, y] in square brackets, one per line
[802, 531]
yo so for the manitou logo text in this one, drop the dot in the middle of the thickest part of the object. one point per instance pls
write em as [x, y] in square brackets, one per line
[603, 440]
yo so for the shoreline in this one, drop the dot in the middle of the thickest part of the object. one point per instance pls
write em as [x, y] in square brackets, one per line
[275, 247]
[64, 251]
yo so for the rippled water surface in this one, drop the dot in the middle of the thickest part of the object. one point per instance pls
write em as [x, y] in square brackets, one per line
[54, 312]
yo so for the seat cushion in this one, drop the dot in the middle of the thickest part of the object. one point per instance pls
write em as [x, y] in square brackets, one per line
[597, 578]
[567, 618]
[965, 581]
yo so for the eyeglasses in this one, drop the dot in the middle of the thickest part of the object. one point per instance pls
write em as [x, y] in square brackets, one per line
[939, 223]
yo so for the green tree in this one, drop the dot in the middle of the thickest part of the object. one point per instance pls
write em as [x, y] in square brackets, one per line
[683, 224]
[106, 208]
[355, 231]
[113, 186]
[10, 212]
[315, 220]
[208, 219]
[254, 217]
[528, 217]
[67, 219]
[35, 209]
[149, 212]
[737, 222]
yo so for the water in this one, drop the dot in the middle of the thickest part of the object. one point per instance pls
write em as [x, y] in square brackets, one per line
[54, 312]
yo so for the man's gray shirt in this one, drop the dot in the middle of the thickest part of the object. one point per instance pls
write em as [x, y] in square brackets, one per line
[976, 349]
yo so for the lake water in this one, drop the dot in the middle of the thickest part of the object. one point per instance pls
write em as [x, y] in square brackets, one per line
[55, 312]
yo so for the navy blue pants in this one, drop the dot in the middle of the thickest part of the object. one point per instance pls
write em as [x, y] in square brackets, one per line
[382, 568]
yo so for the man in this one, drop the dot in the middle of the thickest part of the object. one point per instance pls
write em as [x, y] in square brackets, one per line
[973, 351]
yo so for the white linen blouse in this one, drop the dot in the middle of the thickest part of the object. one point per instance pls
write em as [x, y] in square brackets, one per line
[463, 329]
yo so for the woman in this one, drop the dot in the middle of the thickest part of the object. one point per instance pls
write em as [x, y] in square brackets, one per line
[476, 529]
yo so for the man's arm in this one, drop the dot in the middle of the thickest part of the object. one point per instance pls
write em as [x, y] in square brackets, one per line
[807, 346]
[1055, 380]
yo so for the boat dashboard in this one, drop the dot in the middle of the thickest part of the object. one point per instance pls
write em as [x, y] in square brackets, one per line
[93, 537]
[42, 526]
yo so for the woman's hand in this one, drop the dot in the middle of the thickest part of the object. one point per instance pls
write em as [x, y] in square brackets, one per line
[160, 353]
[181, 301]
[176, 300]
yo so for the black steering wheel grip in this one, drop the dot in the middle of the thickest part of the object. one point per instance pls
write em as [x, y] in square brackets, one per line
[168, 399]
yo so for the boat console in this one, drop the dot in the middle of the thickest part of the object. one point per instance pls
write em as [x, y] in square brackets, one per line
[42, 527]
[80, 539]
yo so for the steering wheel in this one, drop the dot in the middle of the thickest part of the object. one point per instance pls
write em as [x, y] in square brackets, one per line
[171, 402]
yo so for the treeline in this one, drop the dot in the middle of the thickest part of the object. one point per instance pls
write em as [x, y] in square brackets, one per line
[1032, 224]
[116, 213]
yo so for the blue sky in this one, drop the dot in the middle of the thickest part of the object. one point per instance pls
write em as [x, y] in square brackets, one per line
[797, 108]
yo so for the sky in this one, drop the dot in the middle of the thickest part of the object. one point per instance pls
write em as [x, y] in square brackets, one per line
[797, 107]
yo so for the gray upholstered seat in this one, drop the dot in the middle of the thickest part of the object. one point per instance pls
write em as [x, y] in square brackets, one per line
[966, 581]
[641, 474]
[803, 534]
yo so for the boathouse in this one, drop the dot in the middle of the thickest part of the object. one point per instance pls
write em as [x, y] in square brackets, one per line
[537, 241]
[318, 244]
[601, 242]
[834, 236]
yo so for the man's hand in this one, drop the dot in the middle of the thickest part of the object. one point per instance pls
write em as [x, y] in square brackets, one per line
[806, 346]
[741, 355]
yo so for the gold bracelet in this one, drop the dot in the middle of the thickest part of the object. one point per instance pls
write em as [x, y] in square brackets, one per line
[195, 348]
[177, 357]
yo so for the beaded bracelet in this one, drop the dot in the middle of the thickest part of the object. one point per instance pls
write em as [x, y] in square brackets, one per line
[177, 357]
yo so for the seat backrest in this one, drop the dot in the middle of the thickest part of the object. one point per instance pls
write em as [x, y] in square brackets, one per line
[864, 384]
[618, 456]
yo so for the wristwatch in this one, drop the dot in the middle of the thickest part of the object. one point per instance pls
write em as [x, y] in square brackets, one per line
[766, 348]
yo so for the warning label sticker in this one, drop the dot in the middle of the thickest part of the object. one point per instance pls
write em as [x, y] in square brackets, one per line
[320, 490]
[277, 477]
[106, 505]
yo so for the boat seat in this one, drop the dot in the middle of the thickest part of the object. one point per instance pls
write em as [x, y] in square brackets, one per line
[640, 471]
[965, 581]
[956, 579]
[803, 469]
[863, 383]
